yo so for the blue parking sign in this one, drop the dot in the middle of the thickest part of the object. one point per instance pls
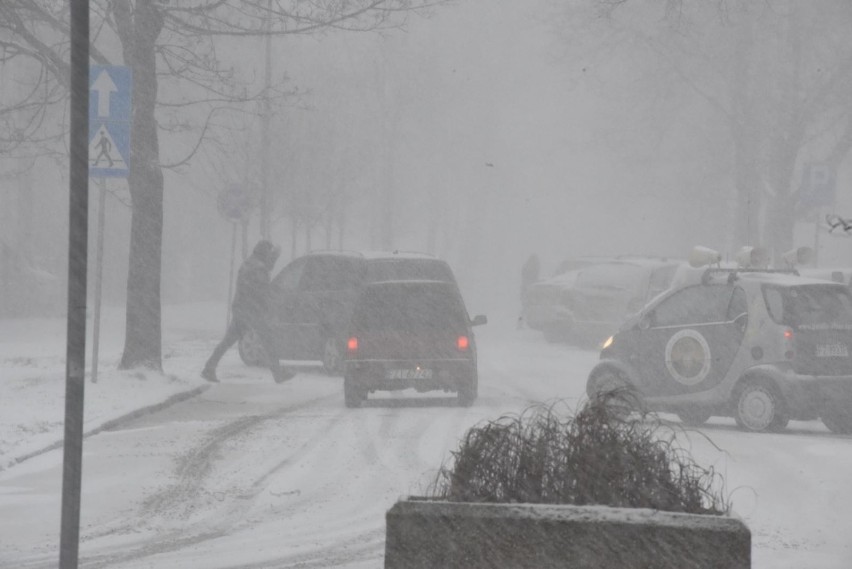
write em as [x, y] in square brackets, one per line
[818, 186]
[110, 113]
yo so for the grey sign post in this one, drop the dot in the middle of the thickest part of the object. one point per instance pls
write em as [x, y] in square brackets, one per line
[110, 113]
[78, 236]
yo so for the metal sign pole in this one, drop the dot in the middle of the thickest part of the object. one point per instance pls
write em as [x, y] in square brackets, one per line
[78, 236]
[99, 270]
[817, 219]
[244, 223]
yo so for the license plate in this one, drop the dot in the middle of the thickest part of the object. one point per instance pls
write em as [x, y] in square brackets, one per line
[832, 351]
[415, 373]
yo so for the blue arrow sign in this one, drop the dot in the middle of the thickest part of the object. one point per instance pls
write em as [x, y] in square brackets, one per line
[110, 113]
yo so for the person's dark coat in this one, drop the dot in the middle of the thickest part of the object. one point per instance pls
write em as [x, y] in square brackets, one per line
[529, 272]
[250, 308]
[252, 297]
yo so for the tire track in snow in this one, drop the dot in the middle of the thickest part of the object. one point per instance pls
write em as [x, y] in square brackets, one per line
[181, 498]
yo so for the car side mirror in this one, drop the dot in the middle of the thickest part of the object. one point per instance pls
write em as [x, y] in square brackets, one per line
[479, 320]
[646, 320]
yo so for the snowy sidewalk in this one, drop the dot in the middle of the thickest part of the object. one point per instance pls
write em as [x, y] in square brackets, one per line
[32, 376]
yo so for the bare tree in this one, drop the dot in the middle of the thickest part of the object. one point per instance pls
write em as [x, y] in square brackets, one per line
[160, 41]
[777, 74]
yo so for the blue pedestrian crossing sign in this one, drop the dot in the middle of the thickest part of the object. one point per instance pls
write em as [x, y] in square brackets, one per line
[110, 113]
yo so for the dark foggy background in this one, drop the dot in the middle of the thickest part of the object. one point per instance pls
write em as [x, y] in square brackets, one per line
[486, 132]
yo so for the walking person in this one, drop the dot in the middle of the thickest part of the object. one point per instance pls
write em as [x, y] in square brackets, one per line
[249, 310]
[529, 274]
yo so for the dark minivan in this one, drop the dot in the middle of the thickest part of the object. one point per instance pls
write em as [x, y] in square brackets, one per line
[313, 297]
[406, 335]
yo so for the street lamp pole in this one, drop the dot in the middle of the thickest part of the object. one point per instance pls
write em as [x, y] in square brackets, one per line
[78, 237]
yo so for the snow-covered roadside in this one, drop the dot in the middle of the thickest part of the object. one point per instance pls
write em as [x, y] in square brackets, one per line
[32, 375]
[790, 488]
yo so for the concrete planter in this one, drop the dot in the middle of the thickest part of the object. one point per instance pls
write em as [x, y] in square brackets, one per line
[425, 533]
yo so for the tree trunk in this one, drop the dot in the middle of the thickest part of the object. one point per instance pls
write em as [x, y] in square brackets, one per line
[781, 218]
[139, 30]
[746, 177]
[785, 147]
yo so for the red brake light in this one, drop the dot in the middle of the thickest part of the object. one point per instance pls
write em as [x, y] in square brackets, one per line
[352, 344]
[463, 343]
[788, 336]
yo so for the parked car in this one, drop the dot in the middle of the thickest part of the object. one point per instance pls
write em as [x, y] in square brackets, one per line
[313, 297]
[414, 334]
[838, 275]
[586, 304]
[762, 346]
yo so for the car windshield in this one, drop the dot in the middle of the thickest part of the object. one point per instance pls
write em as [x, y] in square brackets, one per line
[408, 270]
[810, 306]
[408, 306]
[571, 265]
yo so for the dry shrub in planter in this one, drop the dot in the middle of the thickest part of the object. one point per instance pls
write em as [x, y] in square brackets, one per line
[599, 456]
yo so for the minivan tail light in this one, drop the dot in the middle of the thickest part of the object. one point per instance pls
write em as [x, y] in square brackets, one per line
[788, 338]
[463, 343]
[352, 344]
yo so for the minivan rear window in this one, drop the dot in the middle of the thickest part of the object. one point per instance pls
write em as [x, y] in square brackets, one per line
[332, 273]
[810, 307]
[409, 306]
[380, 270]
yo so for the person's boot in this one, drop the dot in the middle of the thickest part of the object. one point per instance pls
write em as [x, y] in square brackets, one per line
[209, 374]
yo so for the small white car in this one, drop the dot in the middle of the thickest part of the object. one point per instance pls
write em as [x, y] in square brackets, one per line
[761, 346]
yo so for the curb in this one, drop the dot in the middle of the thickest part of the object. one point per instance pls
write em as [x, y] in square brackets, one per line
[111, 424]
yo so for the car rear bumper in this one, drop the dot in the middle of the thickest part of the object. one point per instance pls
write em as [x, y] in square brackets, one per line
[392, 375]
[807, 395]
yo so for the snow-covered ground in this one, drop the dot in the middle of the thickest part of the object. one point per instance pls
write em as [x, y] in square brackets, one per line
[248, 473]
[32, 375]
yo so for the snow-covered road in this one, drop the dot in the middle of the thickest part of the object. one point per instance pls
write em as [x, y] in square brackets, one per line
[250, 474]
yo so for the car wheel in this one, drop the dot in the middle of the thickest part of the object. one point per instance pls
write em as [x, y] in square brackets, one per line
[694, 416]
[353, 395]
[838, 419]
[468, 391]
[760, 407]
[251, 349]
[611, 384]
[332, 360]
[604, 381]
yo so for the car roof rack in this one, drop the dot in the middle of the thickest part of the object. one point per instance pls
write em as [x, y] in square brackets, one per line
[733, 273]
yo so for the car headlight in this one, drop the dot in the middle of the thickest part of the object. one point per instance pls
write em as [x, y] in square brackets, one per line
[607, 343]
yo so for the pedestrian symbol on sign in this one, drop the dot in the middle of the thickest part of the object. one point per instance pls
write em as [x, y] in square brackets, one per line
[103, 152]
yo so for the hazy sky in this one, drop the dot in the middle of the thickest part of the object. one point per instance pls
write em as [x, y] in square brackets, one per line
[494, 109]
[489, 126]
